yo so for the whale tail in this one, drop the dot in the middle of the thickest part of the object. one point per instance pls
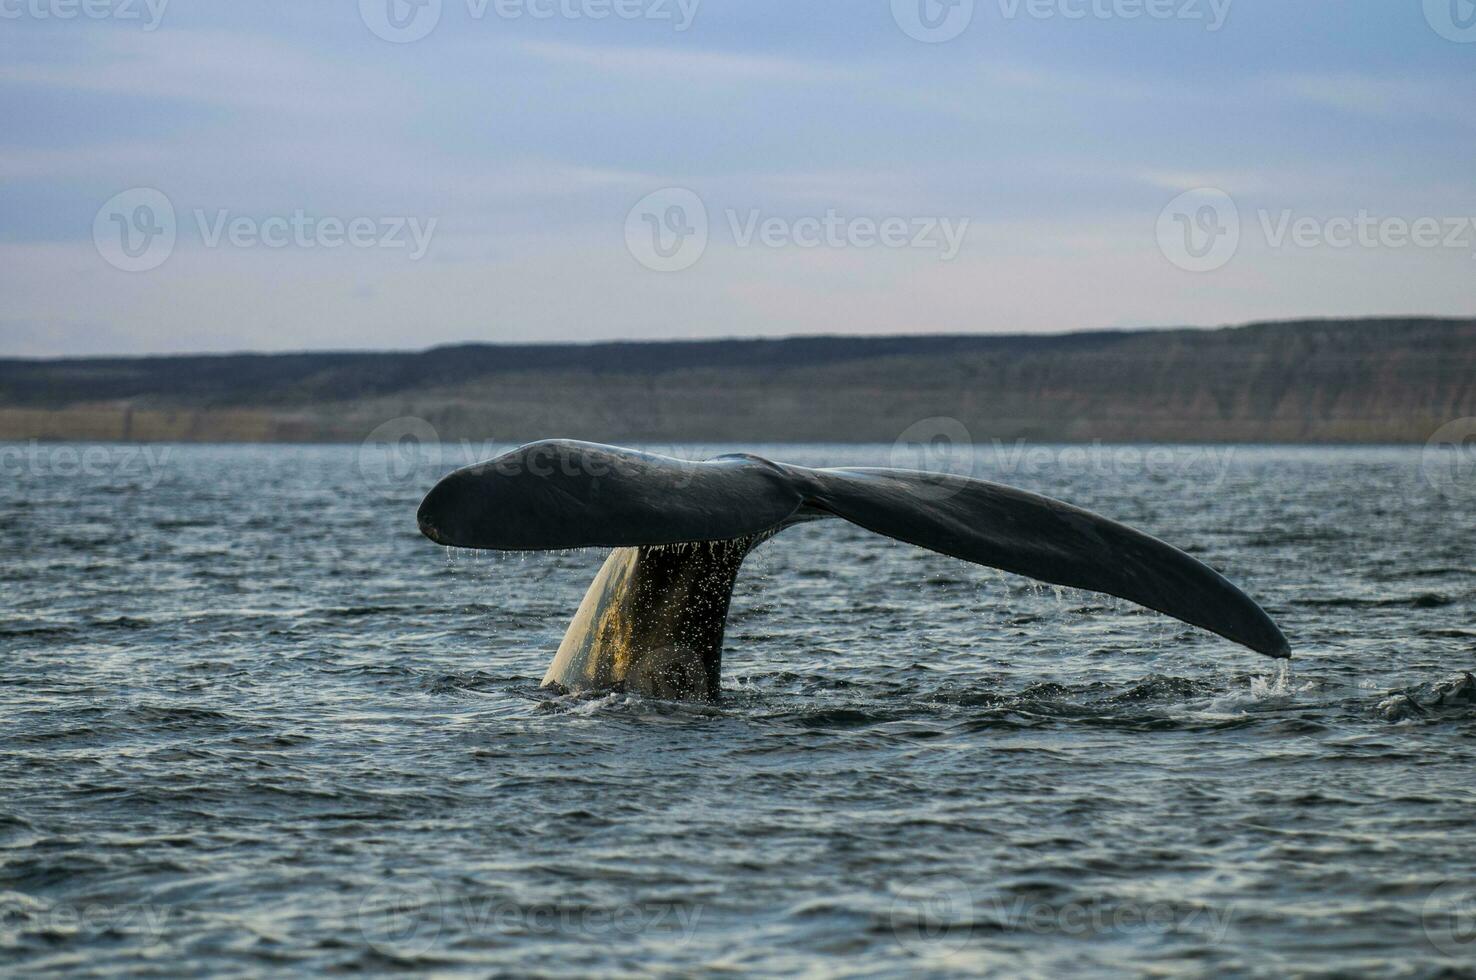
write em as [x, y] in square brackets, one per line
[1045, 539]
[565, 494]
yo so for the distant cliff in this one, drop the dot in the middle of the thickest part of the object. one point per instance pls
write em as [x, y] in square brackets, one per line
[1307, 381]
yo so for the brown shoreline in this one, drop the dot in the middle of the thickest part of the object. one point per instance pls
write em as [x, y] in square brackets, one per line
[1365, 381]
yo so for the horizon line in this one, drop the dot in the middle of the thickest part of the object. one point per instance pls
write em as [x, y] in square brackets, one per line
[747, 338]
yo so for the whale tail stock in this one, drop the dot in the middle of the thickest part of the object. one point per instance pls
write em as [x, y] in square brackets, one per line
[653, 618]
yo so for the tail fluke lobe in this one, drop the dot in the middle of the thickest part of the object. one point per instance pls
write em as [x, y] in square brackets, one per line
[566, 494]
[1045, 539]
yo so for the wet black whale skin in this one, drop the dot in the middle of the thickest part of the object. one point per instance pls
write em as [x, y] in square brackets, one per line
[567, 494]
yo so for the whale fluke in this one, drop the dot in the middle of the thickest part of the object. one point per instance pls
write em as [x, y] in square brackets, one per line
[653, 618]
[565, 494]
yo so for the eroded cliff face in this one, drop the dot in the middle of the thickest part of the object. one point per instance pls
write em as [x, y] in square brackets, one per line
[1322, 381]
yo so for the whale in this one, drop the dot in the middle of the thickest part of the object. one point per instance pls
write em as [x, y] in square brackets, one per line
[652, 621]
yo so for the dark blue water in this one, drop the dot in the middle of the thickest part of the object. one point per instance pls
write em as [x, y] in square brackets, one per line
[251, 722]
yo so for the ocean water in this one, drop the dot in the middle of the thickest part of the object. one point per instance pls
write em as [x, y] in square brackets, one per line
[251, 722]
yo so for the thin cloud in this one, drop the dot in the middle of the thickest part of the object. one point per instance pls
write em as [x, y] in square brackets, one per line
[211, 67]
[1368, 95]
[686, 65]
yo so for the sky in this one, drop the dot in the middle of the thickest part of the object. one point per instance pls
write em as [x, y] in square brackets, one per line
[204, 175]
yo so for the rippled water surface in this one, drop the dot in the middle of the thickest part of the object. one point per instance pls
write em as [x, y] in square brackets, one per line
[251, 721]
